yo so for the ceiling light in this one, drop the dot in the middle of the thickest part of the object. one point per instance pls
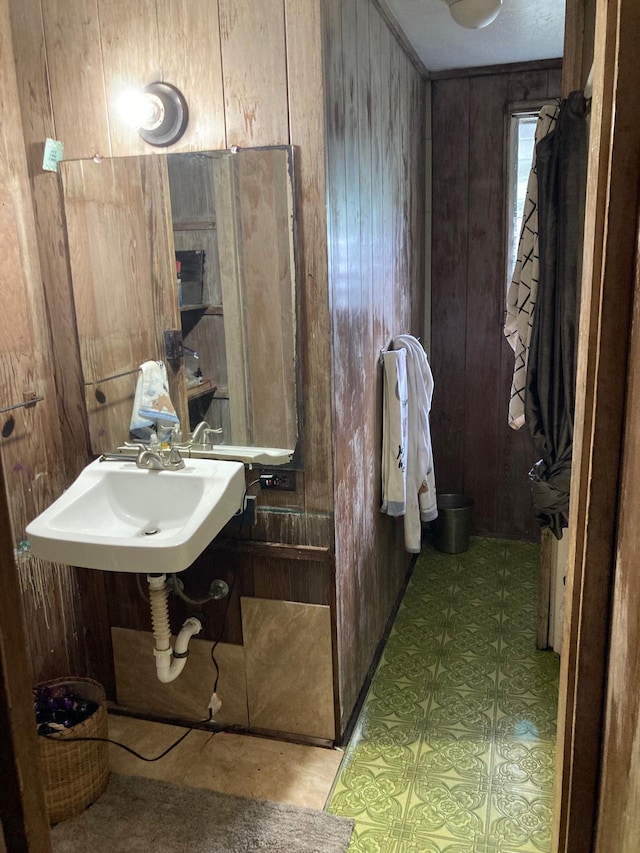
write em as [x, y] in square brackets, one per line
[159, 113]
[474, 14]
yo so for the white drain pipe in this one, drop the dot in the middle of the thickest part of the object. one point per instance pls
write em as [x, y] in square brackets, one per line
[169, 662]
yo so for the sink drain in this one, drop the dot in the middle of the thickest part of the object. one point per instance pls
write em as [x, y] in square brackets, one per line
[152, 531]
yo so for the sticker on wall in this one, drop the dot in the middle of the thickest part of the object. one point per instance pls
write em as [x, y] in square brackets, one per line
[53, 154]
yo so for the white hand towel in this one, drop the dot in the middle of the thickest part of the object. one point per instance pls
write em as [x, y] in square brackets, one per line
[153, 410]
[394, 433]
[421, 487]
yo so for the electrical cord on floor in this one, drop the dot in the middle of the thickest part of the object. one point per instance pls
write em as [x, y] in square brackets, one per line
[55, 739]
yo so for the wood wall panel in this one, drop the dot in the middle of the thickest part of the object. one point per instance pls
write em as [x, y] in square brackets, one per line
[31, 445]
[129, 38]
[450, 237]
[280, 96]
[255, 78]
[185, 31]
[74, 53]
[24, 825]
[306, 115]
[154, 40]
[132, 44]
[375, 181]
[37, 124]
[529, 84]
[475, 451]
[485, 297]
[91, 655]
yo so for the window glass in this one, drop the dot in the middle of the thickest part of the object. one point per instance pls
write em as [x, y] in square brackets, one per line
[523, 129]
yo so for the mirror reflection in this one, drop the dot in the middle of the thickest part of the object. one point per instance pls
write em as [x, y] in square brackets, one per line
[198, 244]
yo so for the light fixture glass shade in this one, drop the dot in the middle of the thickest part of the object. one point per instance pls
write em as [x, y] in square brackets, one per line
[159, 113]
[474, 14]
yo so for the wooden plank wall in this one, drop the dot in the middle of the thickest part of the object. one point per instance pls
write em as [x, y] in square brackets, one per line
[31, 444]
[475, 451]
[377, 207]
[375, 200]
[23, 817]
[202, 46]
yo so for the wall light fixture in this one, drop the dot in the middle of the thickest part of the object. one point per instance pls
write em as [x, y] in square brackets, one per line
[159, 113]
[474, 14]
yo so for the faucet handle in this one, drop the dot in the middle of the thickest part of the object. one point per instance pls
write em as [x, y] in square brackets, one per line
[175, 459]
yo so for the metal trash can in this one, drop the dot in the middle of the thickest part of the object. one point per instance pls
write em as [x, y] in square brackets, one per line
[452, 527]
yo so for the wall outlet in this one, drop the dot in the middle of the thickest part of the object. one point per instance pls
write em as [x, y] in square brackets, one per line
[282, 481]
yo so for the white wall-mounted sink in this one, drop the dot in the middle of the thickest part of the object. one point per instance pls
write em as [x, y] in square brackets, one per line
[121, 518]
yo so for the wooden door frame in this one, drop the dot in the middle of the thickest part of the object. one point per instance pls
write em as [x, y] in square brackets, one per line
[604, 339]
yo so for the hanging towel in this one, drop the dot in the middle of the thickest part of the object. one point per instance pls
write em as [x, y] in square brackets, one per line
[394, 432]
[153, 410]
[421, 483]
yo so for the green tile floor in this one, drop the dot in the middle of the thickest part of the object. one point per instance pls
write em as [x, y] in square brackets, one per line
[453, 751]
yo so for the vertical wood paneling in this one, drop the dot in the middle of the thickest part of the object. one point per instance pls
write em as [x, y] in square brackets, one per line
[367, 354]
[255, 78]
[375, 236]
[24, 818]
[449, 278]
[104, 45]
[349, 415]
[74, 53]
[485, 297]
[306, 116]
[37, 123]
[185, 31]
[375, 239]
[471, 361]
[157, 40]
[129, 42]
[23, 825]
[529, 85]
[31, 446]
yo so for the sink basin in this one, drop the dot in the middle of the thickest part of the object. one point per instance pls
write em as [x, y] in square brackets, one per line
[121, 518]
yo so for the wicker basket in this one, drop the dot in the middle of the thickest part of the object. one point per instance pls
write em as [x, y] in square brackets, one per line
[74, 775]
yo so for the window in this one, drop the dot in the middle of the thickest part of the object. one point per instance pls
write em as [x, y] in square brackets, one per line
[522, 130]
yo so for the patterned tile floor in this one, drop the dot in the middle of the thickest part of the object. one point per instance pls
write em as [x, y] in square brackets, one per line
[454, 748]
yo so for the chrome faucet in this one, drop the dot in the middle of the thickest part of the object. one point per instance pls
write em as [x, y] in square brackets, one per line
[156, 461]
[203, 433]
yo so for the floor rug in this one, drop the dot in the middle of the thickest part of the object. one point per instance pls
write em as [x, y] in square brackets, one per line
[138, 815]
